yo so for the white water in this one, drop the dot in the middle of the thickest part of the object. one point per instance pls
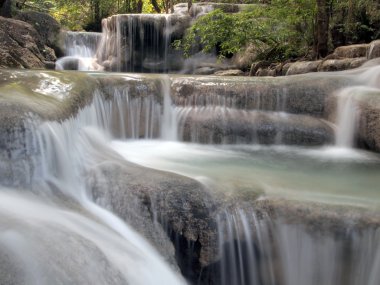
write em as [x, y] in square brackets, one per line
[259, 250]
[347, 121]
[62, 207]
[68, 151]
[80, 50]
[328, 175]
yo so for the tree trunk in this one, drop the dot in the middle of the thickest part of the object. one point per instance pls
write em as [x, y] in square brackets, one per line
[155, 6]
[189, 4]
[139, 6]
[6, 8]
[322, 30]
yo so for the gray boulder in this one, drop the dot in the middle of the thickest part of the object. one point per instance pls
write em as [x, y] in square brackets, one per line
[45, 25]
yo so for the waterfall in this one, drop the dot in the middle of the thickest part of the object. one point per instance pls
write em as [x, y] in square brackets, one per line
[80, 49]
[67, 151]
[169, 127]
[258, 250]
[228, 224]
[347, 120]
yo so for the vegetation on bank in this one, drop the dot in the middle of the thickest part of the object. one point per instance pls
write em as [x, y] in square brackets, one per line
[285, 29]
[87, 14]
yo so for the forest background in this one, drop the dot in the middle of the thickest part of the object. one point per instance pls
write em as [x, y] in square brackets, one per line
[278, 29]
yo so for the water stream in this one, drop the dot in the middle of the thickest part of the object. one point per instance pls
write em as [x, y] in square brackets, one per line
[289, 199]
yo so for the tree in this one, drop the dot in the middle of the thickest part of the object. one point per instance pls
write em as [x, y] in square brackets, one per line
[322, 28]
[6, 8]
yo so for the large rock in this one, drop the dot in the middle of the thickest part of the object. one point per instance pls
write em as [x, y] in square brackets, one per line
[229, 126]
[20, 45]
[301, 67]
[351, 51]
[244, 59]
[369, 122]
[301, 94]
[46, 26]
[166, 208]
[341, 64]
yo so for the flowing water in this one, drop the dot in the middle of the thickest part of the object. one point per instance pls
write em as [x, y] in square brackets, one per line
[322, 229]
[254, 249]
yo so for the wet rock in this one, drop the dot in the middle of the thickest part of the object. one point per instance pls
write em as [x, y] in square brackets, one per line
[168, 209]
[206, 70]
[302, 94]
[30, 96]
[369, 122]
[301, 67]
[367, 103]
[229, 72]
[340, 64]
[258, 65]
[374, 49]
[244, 59]
[229, 126]
[351, 51]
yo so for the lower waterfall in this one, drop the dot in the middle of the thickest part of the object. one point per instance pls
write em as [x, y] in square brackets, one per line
[136, 187]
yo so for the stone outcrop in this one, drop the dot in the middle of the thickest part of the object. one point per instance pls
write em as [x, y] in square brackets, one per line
[191, 216]
[228, 126]
[46, 26]
[374, 49]
[21, 46]
[343, 58]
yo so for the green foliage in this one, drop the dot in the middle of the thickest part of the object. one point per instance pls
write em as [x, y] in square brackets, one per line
[79, 14]
[355, 21]
[278, 31]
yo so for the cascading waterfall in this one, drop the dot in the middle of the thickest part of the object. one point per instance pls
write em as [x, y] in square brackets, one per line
[80, 49]
[258, 250]
[141, 43]
[255, 245]
[67, 151]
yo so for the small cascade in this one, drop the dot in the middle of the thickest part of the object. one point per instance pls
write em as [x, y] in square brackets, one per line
[67, 152]
[258, 250]
[141, 42]
[243, 114]
[169, 127]
[245, 249]
[82, 44]
[80, 49]
[347, 120]
[227, 235]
